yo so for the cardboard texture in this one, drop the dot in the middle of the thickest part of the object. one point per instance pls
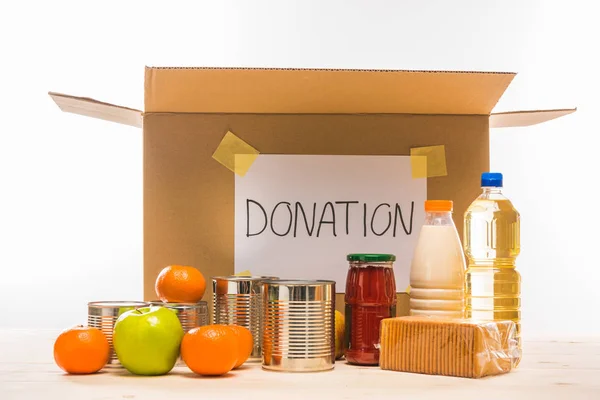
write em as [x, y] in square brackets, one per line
[188, 194]
[302, 91]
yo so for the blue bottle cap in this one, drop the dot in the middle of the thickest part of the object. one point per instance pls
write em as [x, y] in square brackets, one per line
[491, 179]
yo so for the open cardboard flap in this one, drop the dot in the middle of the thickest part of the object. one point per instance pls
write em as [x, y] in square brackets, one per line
[128, 116]
[526, 118]
[314, 91]
[97, 109]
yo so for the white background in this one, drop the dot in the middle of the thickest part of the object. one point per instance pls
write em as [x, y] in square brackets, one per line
[366, 180]
[71, 187]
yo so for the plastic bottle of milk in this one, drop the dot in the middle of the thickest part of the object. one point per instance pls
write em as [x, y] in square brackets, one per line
[437, 274]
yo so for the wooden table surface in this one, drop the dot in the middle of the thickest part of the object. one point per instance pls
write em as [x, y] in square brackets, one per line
[563, 369]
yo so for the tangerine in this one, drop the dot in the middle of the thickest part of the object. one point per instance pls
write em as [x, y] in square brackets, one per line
[245, 343]
[210, 350]
[180, 284]
[81, 350]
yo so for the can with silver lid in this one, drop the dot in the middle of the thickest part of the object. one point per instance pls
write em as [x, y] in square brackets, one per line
[299, 325]
[237, 301]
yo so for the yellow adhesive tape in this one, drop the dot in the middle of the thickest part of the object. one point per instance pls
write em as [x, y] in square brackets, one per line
[418, 165]
[235, 154]
[408, 289]
[435, 160]
[243, 273]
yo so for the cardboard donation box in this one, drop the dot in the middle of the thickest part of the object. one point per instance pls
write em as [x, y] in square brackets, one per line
[284, 172]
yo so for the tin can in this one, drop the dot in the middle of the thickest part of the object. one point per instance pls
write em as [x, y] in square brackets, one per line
[104, 314]
[237, 300]
[299, 325]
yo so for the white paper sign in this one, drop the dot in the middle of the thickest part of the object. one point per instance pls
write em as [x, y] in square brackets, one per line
[297, 216]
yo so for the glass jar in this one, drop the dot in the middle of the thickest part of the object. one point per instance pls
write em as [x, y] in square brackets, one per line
[370, 297]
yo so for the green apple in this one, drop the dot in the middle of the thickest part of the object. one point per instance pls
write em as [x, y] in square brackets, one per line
[147, 340]
[123, 310]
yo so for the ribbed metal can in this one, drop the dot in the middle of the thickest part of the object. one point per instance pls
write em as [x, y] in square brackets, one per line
[237, 300]
[298, 325]
[104, 314]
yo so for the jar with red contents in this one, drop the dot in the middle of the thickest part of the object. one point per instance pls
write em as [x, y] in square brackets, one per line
[370, 297]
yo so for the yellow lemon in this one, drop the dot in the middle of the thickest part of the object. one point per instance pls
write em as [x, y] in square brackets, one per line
[340, 327]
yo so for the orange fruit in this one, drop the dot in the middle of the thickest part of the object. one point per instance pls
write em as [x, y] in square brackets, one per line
[210, 349]
[245, 343]
[180, 284]
[81, 350]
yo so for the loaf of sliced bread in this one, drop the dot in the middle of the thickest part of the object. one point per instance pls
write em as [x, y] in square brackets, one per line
[452, 347]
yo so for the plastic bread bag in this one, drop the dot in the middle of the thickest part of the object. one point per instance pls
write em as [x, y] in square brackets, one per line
[452, 347]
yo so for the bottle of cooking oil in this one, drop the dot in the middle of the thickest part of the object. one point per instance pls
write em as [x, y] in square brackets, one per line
[492, 244]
